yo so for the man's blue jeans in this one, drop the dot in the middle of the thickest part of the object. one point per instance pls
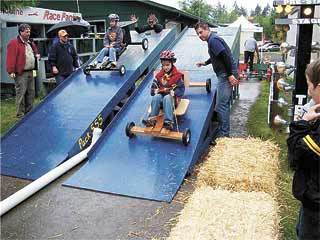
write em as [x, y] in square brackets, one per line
[167, 102]
[111, 52]
[223, 98]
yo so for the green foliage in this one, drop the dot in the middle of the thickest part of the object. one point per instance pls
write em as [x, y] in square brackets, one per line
[258, 127]
[8, 114]
[257, 10]
[9, 5]
[267, 22]
[198, 8]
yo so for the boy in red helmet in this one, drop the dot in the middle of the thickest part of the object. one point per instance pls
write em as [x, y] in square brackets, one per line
[166, 90]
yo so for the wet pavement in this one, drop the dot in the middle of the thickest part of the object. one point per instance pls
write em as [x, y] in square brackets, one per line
[58, 212]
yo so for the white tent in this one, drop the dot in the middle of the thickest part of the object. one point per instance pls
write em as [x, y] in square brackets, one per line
[247, 30]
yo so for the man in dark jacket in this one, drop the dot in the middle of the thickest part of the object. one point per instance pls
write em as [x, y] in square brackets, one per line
[304, 158]
[21, 61]
[152, 24]
[225, 67]
[63, 57]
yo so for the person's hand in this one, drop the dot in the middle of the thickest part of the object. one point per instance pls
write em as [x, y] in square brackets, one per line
[55, 70]
[133, 18]
[233, 80]
[200, 64]
[112, 44]
[313, 113]
[12, 75]
[172, 92]
[156, 91]
[38, 56]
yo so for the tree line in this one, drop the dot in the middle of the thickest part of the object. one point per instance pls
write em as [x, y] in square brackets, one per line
[219, 14]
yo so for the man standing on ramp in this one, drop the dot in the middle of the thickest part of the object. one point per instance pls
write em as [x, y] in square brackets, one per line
[225, 67]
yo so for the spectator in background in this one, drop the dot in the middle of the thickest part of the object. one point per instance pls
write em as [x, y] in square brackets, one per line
[63, 57]
[304, 158]
[152, 24]
[250, 46]
[22, 54]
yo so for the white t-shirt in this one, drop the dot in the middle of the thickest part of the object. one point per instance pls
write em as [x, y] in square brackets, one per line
[250, 45]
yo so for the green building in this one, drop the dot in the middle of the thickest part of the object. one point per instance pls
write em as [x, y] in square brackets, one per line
[96, 12]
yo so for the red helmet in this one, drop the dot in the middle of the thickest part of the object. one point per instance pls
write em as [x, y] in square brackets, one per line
[168, 55]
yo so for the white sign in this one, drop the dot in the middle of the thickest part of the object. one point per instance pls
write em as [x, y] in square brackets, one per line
[296, 21]
[298, 109]
[306, 21]
[37, 15]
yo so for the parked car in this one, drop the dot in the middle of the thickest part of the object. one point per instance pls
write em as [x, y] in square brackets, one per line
[270, 47]
[261, 43]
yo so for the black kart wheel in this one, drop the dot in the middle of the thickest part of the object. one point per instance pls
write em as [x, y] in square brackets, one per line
[86, 71]
[208, 85]
[145, 44]
[122, 70]
[186, 137]
[128, 129]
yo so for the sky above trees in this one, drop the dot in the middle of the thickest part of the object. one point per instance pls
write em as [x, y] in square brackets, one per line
[247, 4]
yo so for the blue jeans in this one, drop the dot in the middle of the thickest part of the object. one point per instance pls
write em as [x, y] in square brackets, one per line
[223, 98]
[111, 52]
[308, 226]
[167, 102]
[60, 79]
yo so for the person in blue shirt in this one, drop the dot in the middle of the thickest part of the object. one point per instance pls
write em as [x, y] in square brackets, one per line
[225, 67]
[63, 57]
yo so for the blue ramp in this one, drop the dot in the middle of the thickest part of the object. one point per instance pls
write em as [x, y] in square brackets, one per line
[43, 138]
[144, 166]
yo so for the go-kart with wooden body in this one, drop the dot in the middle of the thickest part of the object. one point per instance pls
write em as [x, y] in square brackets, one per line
[106, 66]
[158, 130]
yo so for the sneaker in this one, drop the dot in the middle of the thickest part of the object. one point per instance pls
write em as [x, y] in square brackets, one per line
[105, 64]
[113, 64]
[93, 64]
[149, 122]
[168, 125]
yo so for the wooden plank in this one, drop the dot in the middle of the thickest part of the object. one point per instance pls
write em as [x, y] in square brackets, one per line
[182, 107]
[159, 124]
[164, 133]
[197, 84]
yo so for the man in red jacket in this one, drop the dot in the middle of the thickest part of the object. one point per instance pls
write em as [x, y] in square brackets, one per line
[21, 61]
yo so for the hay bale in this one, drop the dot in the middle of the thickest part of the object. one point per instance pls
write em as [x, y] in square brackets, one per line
[220, 214]
[242, 164]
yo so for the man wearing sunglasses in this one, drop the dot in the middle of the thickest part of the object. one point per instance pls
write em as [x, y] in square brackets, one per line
[63, 57]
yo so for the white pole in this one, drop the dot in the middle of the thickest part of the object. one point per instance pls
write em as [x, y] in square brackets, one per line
[78, 6]
[44, 180]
